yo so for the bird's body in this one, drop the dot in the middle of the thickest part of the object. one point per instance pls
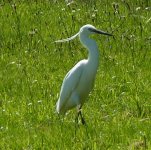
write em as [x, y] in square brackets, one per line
[79, 81]
[78, 90]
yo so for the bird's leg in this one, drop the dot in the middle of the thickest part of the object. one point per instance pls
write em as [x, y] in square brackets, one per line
[82, 118]
[80, 113]
[77, 118]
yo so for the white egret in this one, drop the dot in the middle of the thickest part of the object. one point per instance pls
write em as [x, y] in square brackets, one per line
[79, 81]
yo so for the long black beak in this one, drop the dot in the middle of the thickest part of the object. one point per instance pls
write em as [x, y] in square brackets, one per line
[100, 32]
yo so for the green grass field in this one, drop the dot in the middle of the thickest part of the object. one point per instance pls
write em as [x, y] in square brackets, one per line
[32, 67]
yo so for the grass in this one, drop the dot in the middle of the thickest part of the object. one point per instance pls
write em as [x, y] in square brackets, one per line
[32, 68]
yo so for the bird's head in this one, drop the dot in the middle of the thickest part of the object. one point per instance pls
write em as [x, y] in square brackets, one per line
[89, 29]
[85, 31]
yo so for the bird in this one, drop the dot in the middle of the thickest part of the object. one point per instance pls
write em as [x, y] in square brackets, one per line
[79, 81]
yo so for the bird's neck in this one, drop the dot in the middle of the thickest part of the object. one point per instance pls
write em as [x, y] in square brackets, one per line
[93, 58]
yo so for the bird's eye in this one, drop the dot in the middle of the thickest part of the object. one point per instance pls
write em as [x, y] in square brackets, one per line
[91, 29]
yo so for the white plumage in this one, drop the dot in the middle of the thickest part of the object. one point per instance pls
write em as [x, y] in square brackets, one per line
[79, 81]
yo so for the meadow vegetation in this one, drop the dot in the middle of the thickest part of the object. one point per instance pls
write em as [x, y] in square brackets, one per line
[32, 67]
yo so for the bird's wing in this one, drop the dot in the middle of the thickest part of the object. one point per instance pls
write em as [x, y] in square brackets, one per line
[70, 82]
